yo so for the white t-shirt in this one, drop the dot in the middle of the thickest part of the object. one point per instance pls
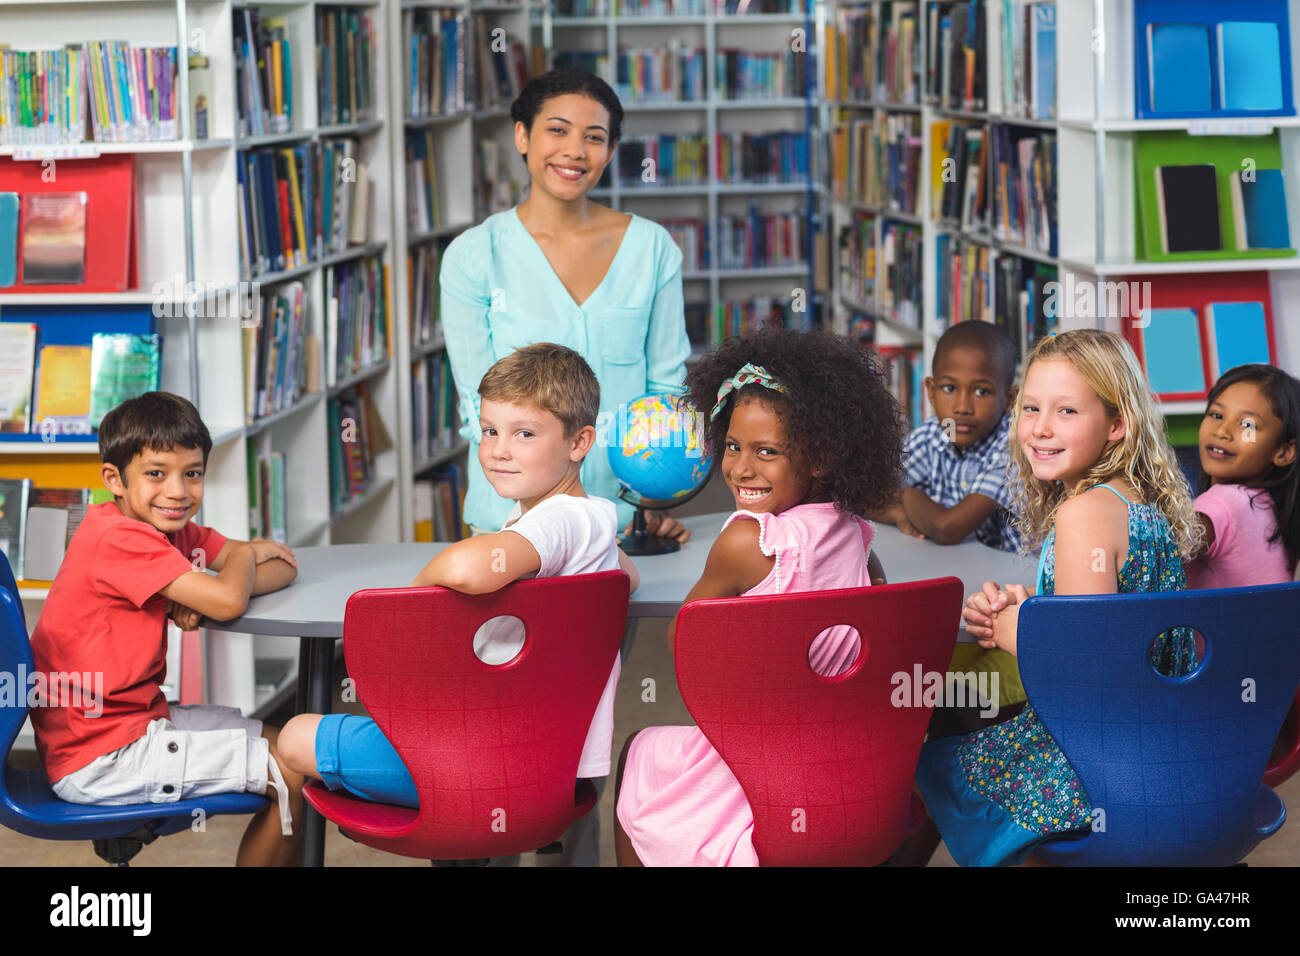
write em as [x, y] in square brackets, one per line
[572, 536]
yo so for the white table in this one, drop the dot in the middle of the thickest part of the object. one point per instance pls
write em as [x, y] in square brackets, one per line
[312, 607]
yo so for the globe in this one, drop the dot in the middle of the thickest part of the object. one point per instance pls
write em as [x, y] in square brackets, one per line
[658, 461]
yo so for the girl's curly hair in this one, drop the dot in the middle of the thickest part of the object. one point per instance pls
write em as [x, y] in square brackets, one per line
[840, 416]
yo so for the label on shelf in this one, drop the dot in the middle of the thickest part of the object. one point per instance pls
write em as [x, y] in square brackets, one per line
[59, 151]
[1231, 126]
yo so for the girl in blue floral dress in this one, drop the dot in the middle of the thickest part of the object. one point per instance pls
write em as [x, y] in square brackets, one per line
[1100, 488]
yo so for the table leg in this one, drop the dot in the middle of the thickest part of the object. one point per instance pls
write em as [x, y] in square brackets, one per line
[318, 667]
[629, 636]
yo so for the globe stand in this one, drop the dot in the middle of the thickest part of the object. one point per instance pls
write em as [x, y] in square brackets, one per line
[640, 542]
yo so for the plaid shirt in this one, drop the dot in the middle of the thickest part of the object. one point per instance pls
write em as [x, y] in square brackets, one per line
[947, 475]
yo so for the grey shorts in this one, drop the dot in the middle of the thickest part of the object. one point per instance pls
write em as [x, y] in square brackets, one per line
[200, 751]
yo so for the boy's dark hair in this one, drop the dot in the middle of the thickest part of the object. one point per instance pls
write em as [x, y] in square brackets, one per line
[559, 83]
[1282, 484]
[158, 420]
[837, 411]
[550, 377]
[986, 337]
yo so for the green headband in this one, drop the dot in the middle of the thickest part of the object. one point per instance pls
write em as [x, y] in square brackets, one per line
[749, 375]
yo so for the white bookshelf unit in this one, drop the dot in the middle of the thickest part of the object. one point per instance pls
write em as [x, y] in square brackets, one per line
[1096, 206]
[187, 232]
[712, 199]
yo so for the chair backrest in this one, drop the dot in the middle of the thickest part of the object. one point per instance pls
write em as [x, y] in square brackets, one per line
[9, 584]
[826, 763]
[493, 749]
[1172, 764]
[15, 664]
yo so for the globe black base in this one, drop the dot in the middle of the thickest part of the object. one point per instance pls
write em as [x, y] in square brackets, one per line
[642, 544]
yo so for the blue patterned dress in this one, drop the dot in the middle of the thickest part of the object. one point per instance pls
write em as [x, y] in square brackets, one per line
[995, 794]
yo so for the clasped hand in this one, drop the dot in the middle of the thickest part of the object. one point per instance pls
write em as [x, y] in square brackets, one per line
[991, 615]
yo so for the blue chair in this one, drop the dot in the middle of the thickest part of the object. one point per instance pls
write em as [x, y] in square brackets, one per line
[28, 805]
[1174, 763]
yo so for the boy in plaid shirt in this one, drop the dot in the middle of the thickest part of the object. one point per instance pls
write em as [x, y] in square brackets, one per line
[956, 462]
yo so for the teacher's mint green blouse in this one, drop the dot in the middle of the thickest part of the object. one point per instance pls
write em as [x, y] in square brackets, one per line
[499, 293]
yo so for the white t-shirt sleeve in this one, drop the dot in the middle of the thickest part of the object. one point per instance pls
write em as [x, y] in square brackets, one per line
[572, 535]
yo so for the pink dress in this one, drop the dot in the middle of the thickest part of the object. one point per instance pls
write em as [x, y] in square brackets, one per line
[680, 804]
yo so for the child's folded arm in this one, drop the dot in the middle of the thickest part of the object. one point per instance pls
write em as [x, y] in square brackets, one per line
[947, 525]
[222, 597]
[481, 564]
[277, 567]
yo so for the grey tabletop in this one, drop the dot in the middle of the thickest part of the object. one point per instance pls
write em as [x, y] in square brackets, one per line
[313, 605]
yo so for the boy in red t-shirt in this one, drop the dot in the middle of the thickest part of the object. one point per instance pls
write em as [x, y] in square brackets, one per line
[131, 564]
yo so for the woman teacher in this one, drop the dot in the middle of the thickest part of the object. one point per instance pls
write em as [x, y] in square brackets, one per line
[560, 268]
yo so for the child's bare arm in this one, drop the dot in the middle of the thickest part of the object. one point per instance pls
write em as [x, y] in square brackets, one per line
[734, 565]
[946, 525]
[222, 597]
[634, 576]
[481, 564]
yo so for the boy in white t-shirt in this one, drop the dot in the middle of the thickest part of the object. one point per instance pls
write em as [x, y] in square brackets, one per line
[537, 409]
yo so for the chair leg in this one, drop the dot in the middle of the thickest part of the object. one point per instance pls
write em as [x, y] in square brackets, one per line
[118, 851]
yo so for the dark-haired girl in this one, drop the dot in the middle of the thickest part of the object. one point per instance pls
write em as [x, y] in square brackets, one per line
[560, 268]
[1250, 482]
[808, 438]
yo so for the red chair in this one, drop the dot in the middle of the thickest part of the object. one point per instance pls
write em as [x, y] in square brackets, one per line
[493, 750]
[1284, 761]
[827, 763]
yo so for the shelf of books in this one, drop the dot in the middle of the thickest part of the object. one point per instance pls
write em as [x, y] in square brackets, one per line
[463, 64]
[217, 224]
[1147, 194]
[717, 146]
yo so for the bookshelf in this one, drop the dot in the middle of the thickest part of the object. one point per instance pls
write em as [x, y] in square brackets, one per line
[455, 159]
[1099, 138]
[697, 41]
[188, 207]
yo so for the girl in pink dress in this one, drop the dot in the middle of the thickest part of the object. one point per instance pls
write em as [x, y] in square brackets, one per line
[808, 437]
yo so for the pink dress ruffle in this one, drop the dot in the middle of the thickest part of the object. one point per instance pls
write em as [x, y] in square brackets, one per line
[680, 804]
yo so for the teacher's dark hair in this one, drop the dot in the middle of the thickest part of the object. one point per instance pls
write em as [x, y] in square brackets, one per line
[560, 83]
[838, 412]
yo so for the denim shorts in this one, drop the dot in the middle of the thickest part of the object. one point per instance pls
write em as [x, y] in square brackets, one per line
[353, 754]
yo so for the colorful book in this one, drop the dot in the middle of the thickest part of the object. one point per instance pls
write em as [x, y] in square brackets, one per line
[8, 239]
[1237, 333]
[54, 238]
[44, 542]
[13, 520]
[1178, 55]
[1250, 66]
[1187, 198]
[17, 373]
[1172, 353]
[63, 388]
[1263, 201]
[1042, 95]
[122, 366]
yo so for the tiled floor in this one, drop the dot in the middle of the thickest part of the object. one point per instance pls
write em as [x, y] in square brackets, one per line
[650, 658]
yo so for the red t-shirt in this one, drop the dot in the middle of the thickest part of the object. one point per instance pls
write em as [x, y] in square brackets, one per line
[104, 614]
